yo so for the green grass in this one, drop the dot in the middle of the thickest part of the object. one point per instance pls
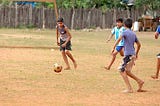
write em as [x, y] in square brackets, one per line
[27, 77]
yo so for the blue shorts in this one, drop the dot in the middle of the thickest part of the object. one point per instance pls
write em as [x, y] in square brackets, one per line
[119, 48]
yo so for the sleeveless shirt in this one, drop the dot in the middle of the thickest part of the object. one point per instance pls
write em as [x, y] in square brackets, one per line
[62, 32]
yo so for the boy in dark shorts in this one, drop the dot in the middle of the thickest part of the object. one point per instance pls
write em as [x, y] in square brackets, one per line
[64, 42]
[158, 55]
[130, 55]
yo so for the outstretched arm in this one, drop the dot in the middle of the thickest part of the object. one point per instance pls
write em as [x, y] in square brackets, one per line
[110, 37]
[57, 36]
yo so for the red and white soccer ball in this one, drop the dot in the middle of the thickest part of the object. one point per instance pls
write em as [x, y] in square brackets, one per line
[57, 68]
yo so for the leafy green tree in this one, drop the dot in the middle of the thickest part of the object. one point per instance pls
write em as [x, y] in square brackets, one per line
[148, 5]
[4, 2]
[87, 3]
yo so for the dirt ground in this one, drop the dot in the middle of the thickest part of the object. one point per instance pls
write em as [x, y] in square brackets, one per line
[27, 77]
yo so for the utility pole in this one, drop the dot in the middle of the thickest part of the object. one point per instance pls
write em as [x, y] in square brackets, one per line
[55, 8]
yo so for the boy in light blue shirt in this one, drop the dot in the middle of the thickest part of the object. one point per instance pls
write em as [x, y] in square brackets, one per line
[158, 55]
[130, 55]
[116, 31]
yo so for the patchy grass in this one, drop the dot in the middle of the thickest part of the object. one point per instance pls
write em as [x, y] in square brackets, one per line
[27, 77]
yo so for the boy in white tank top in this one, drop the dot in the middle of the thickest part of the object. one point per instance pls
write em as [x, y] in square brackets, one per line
[65, 43]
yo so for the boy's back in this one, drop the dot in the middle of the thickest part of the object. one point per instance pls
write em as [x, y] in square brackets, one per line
[129, 38]
[130, 56]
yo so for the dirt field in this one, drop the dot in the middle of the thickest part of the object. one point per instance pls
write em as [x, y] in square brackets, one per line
[27, 77]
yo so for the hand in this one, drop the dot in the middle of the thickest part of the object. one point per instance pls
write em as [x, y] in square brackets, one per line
[64, 45]
[58, 43]
[136, 56]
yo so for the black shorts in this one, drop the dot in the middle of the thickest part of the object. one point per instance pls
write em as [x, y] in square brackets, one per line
[68, 45]
[126, 60]
[158, 55]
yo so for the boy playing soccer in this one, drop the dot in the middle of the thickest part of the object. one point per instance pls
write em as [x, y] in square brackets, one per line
[64, 43]
[130, 56]
[117, 31]
[158, 56]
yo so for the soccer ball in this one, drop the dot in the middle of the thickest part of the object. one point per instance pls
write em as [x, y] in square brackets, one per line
[57, 68]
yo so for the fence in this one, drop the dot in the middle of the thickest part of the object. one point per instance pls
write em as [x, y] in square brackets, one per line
[74, 18]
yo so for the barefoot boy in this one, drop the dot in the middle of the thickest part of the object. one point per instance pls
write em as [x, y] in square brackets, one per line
[64, 43]
[117, 31]
[130, 56]
[158, 56]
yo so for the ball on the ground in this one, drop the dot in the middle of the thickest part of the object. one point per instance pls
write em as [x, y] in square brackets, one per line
[57, 68]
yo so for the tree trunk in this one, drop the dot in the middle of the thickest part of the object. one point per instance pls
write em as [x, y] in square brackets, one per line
[89, 16]
[114, 16]
[103, 20]
[72, 19]
[89, 19]
[30, 14]
[16, 15]
[43, 26]
[128, 13]
[9, 17]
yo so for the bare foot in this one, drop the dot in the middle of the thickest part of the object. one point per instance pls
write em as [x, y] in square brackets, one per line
[140, 84]
[107, 68]
[140, 90]
[154, 77]
[67, 68]
[75, 65]
[127, 91]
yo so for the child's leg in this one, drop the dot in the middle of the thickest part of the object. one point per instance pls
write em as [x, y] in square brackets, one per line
[71, 57]
[65, 60]
[112, 60]
[139, 81]
[130, 74]
[158, 68]
[121, 52]
[126, 80]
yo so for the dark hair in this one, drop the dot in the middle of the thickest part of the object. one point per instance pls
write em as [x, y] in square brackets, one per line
[60, 19]
[128, 23]
[119, 20]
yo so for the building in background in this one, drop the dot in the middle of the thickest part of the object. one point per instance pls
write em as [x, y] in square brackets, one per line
[22, 3]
